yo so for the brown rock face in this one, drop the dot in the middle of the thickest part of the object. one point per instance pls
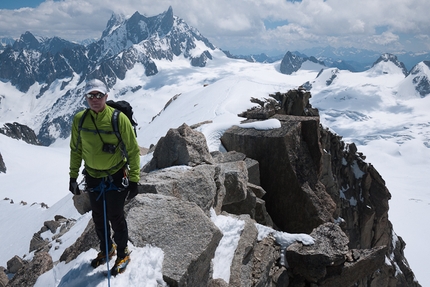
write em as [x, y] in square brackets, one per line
[312, 178]
[290, 163]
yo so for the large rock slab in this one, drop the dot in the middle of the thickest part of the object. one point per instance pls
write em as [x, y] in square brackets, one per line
[182, 230]
[265, 255]
[232, 156]
[236, 181]
[181, 146]
[290, 162]
[311, 261]
[203, 185]
[360, 263]
[242, 266]
[28, 274]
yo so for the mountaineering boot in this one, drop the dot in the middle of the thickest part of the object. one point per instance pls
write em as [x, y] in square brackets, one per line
[101, 257]
[121, 263]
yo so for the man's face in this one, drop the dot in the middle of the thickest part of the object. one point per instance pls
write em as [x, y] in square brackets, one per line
[96, 101]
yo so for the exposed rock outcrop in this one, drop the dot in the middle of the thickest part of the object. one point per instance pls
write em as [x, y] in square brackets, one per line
[329, 262]
[309, 181]
[175, 225]
[20, 132]
[3, 277]
[60, 224]
[2, 165]
[28, 274]
[311, 177]
[181, 146]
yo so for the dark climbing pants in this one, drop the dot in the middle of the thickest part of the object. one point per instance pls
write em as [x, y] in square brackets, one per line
[115, 200]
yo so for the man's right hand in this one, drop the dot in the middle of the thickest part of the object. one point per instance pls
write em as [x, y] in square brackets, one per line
[73, 186]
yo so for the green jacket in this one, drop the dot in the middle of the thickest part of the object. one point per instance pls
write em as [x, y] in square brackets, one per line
[88, 146]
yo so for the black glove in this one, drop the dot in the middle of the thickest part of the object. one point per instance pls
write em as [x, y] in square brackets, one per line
[132, 190]
[73, 186]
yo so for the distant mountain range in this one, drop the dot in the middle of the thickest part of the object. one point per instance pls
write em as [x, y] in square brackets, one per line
[125, 43]
[52, 71]
[352, 59]
[31, 60]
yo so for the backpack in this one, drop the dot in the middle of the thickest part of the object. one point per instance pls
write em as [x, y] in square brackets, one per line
[119, 106]
[124, 107]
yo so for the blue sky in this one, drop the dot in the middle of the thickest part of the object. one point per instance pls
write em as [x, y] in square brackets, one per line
[15, 4]
[240, 26]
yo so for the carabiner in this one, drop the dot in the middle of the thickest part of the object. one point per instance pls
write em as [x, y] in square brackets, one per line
[125, 181]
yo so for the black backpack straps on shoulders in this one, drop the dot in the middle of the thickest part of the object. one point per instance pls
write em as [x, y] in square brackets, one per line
[115, 126]
[81, 122]
[115, 120]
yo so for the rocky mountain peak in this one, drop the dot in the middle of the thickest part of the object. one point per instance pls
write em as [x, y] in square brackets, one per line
[292, 62]
[420, 67]
[387, 57]
[121, 33]
[166, 22]
[56, 45]
[419, 76]
[114, 21]
[26, 41]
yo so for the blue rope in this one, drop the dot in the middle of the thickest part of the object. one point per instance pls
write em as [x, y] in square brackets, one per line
[102, 189]
[106, 240]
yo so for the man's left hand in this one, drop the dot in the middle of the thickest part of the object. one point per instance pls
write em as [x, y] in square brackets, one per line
[132, 190]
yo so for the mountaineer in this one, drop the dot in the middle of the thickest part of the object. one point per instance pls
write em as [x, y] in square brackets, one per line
[111, 171]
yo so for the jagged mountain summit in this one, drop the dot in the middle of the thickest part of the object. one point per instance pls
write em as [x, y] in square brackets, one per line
[161, 37]
[55, 68]
[389, 58]
[292, 63]
[417, 81]
[124, 43]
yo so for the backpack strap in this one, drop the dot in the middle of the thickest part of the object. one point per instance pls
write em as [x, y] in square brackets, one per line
[115, 126]
[81, 122]
[115, 120]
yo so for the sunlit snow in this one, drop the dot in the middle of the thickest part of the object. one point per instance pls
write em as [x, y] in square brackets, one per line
[391, 129]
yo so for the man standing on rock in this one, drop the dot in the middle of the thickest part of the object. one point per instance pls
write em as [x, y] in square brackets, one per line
[112, 170]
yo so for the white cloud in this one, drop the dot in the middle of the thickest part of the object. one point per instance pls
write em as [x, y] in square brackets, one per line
[239, 24]
[386, 38]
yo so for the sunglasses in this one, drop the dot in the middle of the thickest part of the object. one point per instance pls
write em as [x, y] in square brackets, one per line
[98, 96]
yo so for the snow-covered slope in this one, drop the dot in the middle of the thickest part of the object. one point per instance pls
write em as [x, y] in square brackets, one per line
[367, 108]
[417, 83]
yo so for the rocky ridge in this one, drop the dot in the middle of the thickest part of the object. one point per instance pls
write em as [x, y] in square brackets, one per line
[20, 132]
[309, 181]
